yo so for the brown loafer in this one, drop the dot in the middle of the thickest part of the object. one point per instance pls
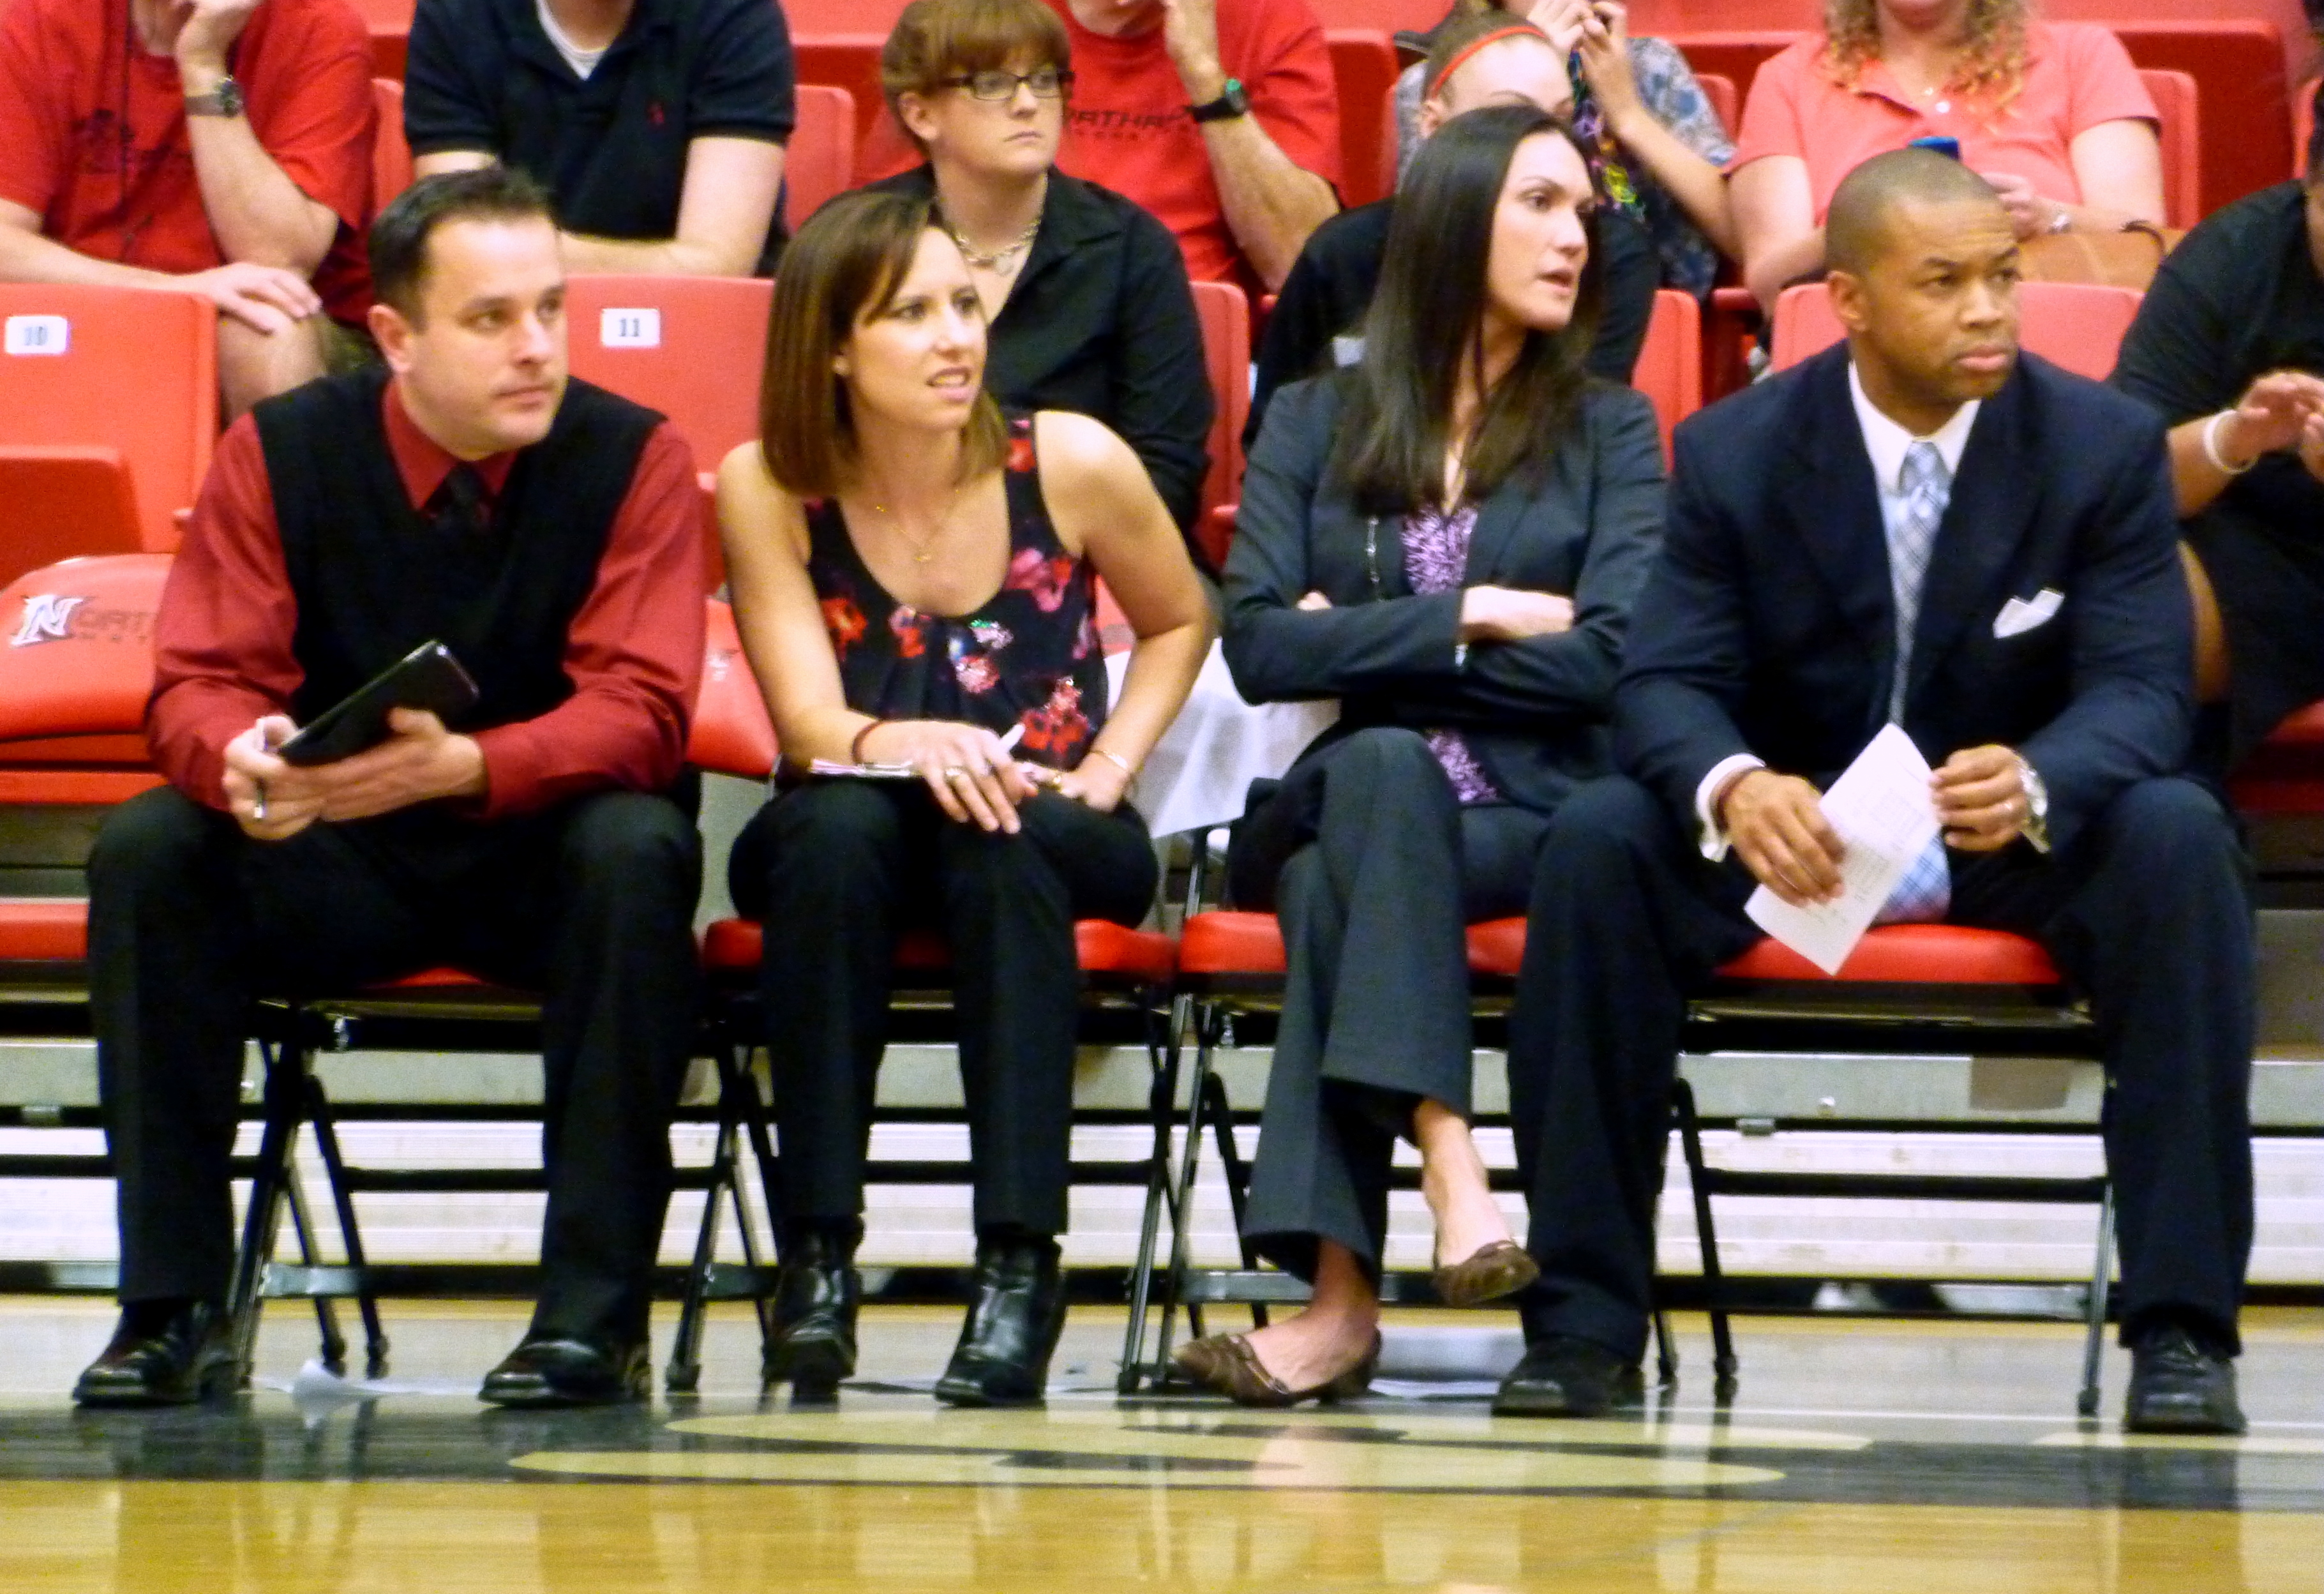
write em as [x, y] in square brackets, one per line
[1226, 1363]
[1501, 1268]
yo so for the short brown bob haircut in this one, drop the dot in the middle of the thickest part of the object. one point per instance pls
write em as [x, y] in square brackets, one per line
[936, 40]
[842, 268]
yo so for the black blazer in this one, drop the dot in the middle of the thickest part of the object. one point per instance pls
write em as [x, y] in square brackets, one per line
[1767, 625]
[1102, 322]
[1534, 712]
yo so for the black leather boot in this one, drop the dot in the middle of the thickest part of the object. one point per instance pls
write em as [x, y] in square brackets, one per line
[817, 1294]
[1018, 1311]
[172, 1355]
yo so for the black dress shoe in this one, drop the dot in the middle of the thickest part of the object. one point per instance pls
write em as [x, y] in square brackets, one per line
[177, 1361]
[1563, 1377]
[1004, 1355]
[812, 1345]
[558, 1370]
[2179, 1384]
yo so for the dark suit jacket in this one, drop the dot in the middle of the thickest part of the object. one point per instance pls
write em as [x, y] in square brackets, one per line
[1534, 712]
[1767, 624]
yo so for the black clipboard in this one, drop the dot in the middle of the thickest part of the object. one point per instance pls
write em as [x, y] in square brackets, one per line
[428, 678]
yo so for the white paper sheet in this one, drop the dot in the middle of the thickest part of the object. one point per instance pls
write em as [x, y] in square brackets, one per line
[1197, 774]
[1885, 818]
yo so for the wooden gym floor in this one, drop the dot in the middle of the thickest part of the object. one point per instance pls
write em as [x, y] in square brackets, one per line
[1860, 1456]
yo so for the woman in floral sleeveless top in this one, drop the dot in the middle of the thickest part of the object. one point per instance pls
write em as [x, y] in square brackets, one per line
[915, 581]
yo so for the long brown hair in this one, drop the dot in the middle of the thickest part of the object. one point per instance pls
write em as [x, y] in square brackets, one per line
[843, 267]
[1426, 329]
[1991, 71]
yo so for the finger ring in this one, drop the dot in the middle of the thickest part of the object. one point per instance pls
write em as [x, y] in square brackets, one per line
[953, 771]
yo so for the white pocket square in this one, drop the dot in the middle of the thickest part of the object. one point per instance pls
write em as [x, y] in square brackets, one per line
[2020, 615]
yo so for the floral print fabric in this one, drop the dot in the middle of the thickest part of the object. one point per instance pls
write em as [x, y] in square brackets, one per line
[1436, 559]
[1028, 655]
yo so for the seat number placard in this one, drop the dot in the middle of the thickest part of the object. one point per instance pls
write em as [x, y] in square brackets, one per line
[39, 335]
[630, 329]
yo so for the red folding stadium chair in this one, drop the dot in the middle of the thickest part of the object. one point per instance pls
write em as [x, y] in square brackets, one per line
[2238, 64]
[688, 346]
[2284, 777]
[1720, 90]
[1225, 318]
[846, 55]
[390, 23]
[2077, 324]
[131, 370]
[820, 160]
[2179, 126]
[64, 503]
[450, 1010]
[1669, 370]
[1908, 989]
[1364, 71]
[390, 153]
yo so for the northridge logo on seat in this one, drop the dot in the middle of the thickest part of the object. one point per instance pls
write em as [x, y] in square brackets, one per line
[48, 618]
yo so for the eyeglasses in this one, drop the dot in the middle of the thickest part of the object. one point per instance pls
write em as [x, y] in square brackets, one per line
[1045, 82]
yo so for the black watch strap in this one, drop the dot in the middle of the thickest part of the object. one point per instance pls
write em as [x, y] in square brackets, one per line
[1233, 102]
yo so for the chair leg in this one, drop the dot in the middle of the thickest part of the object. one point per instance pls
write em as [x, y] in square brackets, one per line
[1162, 1050]
[326, 1316]
[683, 1374]
[285, 1062]
[2086, 1401]
[1206, 1018]
[762, 1151]
[1666, 1351]
[343, 1200]
[734, 1081]
[1723, 1362]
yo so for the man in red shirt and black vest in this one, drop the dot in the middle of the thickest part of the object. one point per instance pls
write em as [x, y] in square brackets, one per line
[546, 532]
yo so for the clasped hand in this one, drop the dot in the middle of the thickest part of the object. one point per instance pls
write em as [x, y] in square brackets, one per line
[2281, 410]
[421, 761]
[1777, 825]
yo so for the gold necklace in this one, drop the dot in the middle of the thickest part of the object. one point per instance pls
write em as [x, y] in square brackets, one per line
[923, 550]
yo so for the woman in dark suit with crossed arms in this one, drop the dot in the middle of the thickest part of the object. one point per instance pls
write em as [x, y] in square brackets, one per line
[1447, 538]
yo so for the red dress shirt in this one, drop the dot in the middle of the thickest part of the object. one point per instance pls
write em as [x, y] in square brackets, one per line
[222, 637]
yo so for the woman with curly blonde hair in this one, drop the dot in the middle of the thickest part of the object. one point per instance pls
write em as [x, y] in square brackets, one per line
[2051, 114]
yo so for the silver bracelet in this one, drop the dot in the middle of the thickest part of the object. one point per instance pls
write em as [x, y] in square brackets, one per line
[2211, 447]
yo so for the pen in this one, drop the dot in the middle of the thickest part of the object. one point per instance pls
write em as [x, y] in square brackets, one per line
[258, 803]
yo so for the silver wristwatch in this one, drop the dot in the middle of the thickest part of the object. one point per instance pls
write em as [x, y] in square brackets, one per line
[224, 100]
[2036, 828]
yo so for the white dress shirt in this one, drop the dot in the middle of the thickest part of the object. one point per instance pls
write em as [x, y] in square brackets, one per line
[1887, 443]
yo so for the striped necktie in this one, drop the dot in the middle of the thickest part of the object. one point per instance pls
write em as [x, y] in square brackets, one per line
[1925, 893]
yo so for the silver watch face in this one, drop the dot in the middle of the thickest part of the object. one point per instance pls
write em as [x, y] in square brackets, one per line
[224, 100]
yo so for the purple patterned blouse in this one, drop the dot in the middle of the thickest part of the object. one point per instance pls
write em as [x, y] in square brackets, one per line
[1436, 559]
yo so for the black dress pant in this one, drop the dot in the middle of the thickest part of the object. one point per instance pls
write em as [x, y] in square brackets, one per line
[2270, 585]
[2147, 912]
[1375, 905]
[838, 870]
[590, 902]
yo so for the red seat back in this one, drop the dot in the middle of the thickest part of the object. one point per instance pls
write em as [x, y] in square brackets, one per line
[820, 160]
[1669, 371]
[1364, 73]
[2077, 324]
[1226, 317]
[1720, 90]
[731, 734]
[849, 60]
[62, 501]
[390, 153]
[130, 369]
[2179, 126]
[75, 667]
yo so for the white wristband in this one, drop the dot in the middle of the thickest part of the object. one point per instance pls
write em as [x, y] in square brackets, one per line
[2211, 447]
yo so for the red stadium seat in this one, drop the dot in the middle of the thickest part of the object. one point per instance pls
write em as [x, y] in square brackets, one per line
[688, 346]
[2237, 64]
[849, 60]
[1725, 104]
[820, 160]
[2077, 324]
[2304, 124]
[390, 23]
[1669, 371]
[2284, 777]
[2179, 128]
[1364, 71]
[1226, 317]
[132, 370]
[64, 501]
[391, 153]
[730, 734]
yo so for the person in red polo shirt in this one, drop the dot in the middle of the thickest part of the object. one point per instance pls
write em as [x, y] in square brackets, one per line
[1217, 115]
[220, 147]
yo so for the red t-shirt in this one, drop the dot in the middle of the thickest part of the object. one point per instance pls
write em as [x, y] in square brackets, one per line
[78, 94]
[1127, 126]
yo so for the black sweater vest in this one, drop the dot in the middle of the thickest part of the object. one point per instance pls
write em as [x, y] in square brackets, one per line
[373, 577]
